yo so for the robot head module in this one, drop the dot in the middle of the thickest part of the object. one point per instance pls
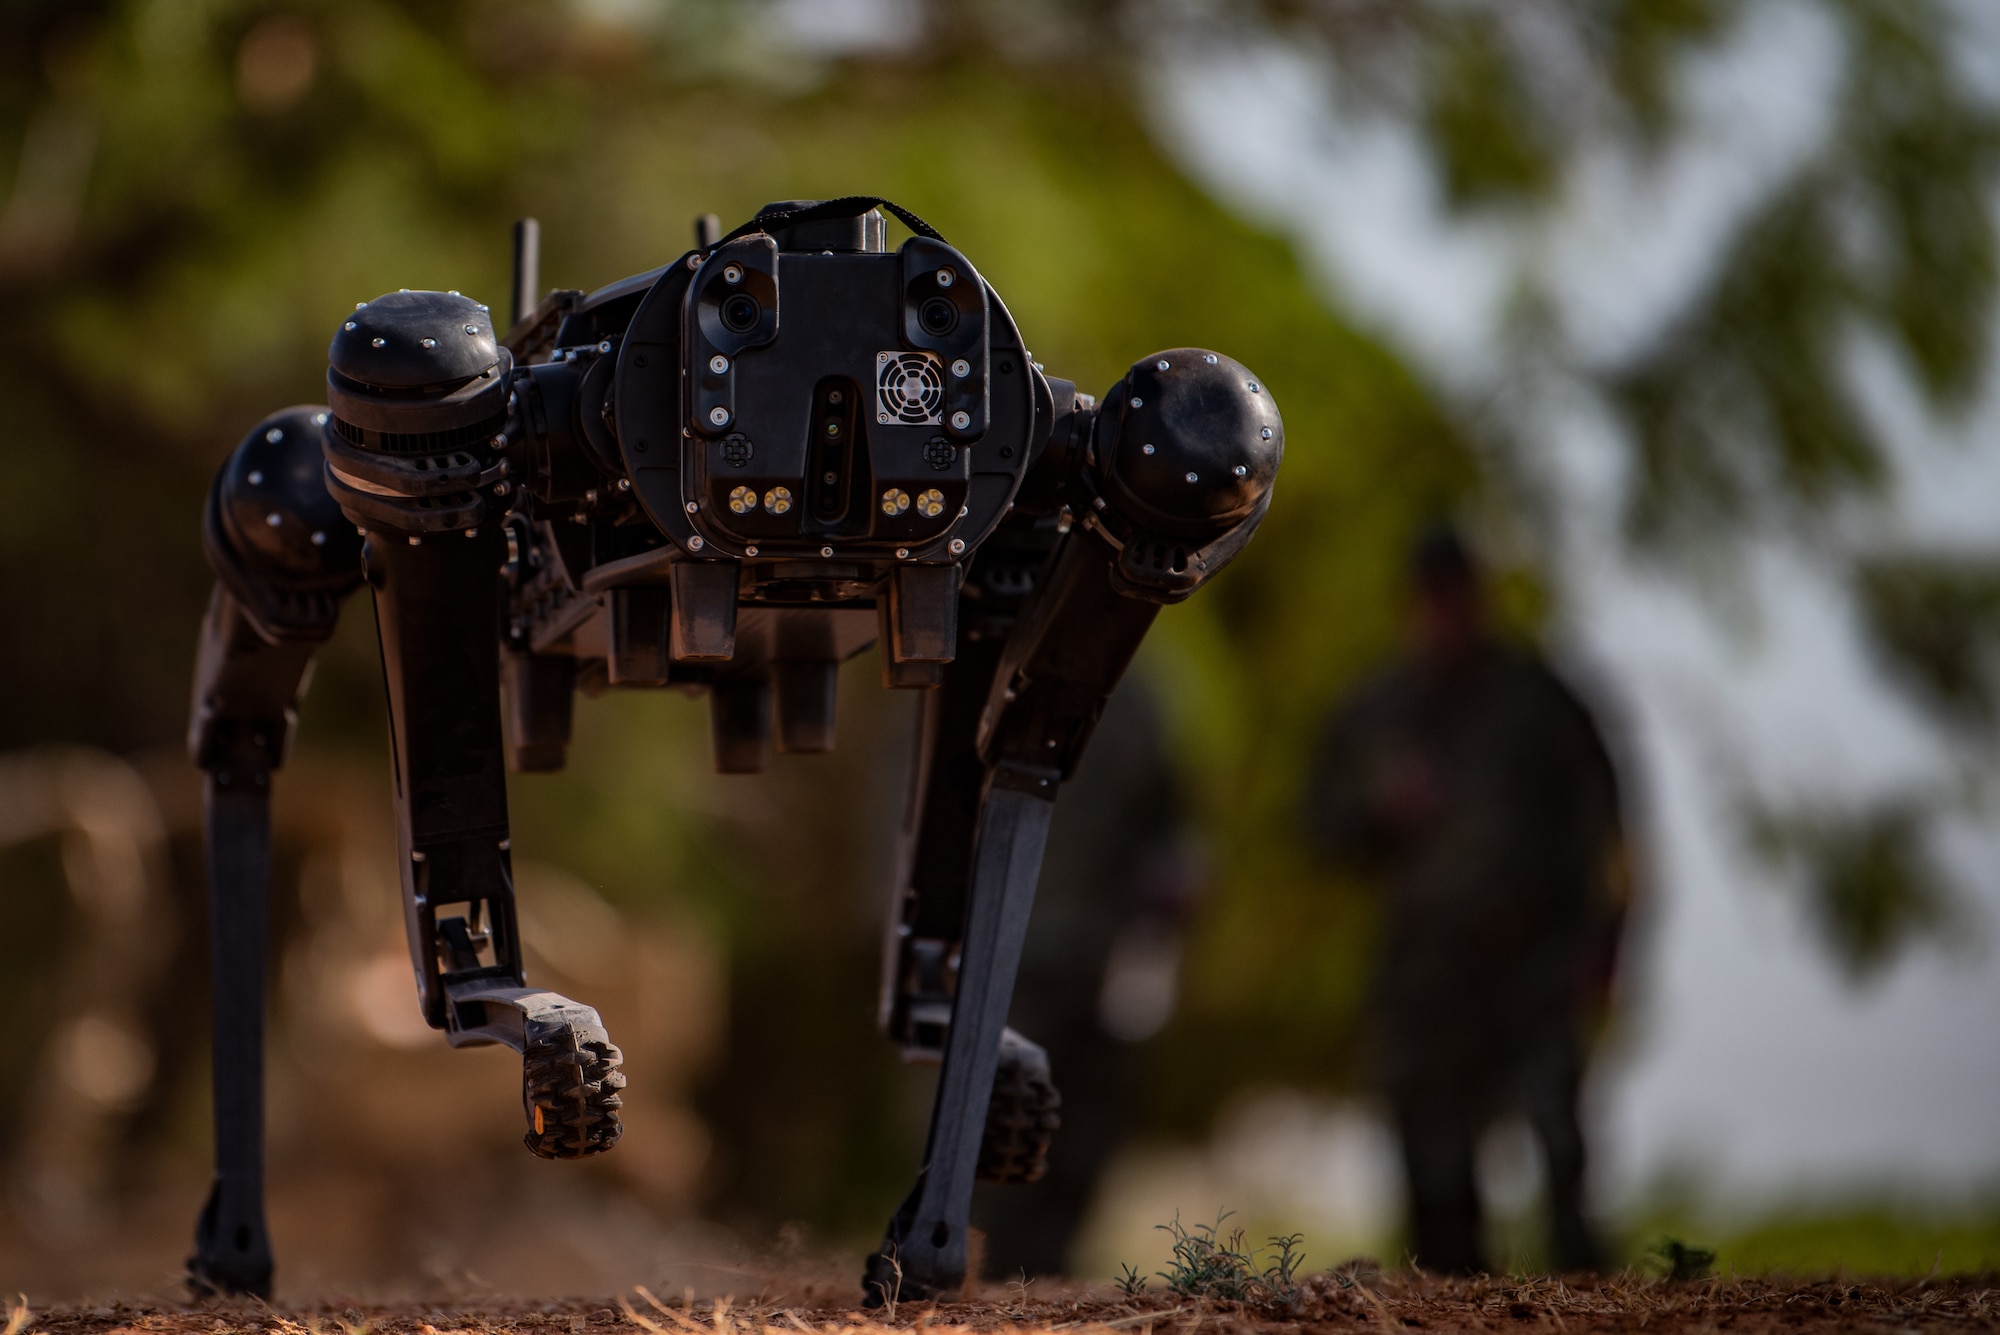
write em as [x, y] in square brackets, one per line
[824, 398]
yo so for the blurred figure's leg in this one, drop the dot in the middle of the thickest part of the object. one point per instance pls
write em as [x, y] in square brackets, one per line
[1446, 1229]
[1552, 1085]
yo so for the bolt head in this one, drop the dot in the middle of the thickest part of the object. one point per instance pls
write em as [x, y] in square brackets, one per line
[1145, 449]
[695, 543]
[1137, 402]
[693, 506]
[732, 274]
[1194, 477]
[1160, 365]
[957, 546]
[902, 553]
[718, 415]
[961, 368]
[961, 420]
[718, 363]
[826, 551]
[750, 551]
[378, 342]
[946, 277]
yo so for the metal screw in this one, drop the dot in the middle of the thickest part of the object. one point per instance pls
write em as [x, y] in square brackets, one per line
[273, 519]
[749, 551]
[835, 396]
[902, 553]
[1145, 449]
[360, 305]
[961, 420]
[417, 855]
[416, 541]
[1253, 387]
[502, 488]
[1265, 433]
[351, 325]
[695, 543]
[604, 346]
[274, 435]
[378, 342]
[319, 419]
[472, 329]
[318, 538]
[454, 292]
[1242, 471]
[732, 273]
[961, 368]
[1194, 477]
[693, 506]
[1138, 402]
[1208, 357]
[826, 551]
[719, 415]
[957, 546]
[694, 260]
[624, 484]
[881, 417]
[428, 342]
[256, 478]
[1160, 365]
[718, 363]
[472, 533]
[946, 278]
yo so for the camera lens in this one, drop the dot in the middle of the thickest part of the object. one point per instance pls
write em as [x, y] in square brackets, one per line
[740, 313]
[938, 316]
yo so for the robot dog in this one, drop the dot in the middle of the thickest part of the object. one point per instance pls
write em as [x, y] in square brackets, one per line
[730, 474]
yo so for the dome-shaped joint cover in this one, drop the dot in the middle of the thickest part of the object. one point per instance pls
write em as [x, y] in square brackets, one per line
[274, 536]
[416, 364]
[1188, 444]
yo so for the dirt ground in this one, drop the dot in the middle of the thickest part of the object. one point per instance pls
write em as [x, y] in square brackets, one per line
[1326, 1302]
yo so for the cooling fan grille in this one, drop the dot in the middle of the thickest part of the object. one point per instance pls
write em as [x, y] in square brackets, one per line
[909, 388]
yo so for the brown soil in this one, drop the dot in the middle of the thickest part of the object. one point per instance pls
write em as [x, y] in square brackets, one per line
[1328, 1302]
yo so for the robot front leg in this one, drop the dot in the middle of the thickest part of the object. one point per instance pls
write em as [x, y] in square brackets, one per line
[284, 561]
[419, 473]
[1022, 734]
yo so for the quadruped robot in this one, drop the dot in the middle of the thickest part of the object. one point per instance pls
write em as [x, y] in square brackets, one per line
[729, 474]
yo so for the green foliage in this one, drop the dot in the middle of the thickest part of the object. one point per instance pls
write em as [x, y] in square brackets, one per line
[1869, 879]
[1937, 622]
[1209, 1264]
[1681, 1261]
[1487, 134]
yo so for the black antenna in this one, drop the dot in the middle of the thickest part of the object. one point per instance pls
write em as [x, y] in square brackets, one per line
[707, 231]
[527, 268]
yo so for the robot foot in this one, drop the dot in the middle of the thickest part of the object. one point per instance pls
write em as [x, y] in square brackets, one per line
[1021, 1116]
[232, 1255]
[570, 1079]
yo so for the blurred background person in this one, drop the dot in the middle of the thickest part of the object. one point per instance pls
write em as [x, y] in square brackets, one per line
[1478, 787]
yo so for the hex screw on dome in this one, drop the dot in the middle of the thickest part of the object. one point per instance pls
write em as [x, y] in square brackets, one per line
[1160, 365]
[378, 342]
[1138, 402]
[1242, 471]
[1194, 477]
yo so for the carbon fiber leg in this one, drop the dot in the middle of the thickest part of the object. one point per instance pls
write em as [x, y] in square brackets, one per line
[232, 1247]
[924, 1252]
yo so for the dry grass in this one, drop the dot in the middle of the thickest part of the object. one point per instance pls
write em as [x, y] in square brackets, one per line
[1349, 1299]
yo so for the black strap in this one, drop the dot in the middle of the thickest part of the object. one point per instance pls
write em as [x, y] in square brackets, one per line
[232, 1247]
[850, 206]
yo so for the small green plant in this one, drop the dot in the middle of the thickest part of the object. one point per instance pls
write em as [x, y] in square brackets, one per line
[1210, 1264]
[1682, 1260]
[1130, 1282]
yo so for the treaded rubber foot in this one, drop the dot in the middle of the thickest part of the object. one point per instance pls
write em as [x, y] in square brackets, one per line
[569, 1089]
[1021, 1116]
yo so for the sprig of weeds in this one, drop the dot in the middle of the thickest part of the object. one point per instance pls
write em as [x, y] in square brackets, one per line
[1130, 1282]
[1682, 1260]
[1208, 1263]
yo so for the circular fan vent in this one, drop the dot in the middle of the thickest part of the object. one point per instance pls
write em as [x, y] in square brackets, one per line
[909, 388]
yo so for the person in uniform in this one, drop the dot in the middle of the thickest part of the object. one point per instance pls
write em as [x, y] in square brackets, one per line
[1478, 789]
